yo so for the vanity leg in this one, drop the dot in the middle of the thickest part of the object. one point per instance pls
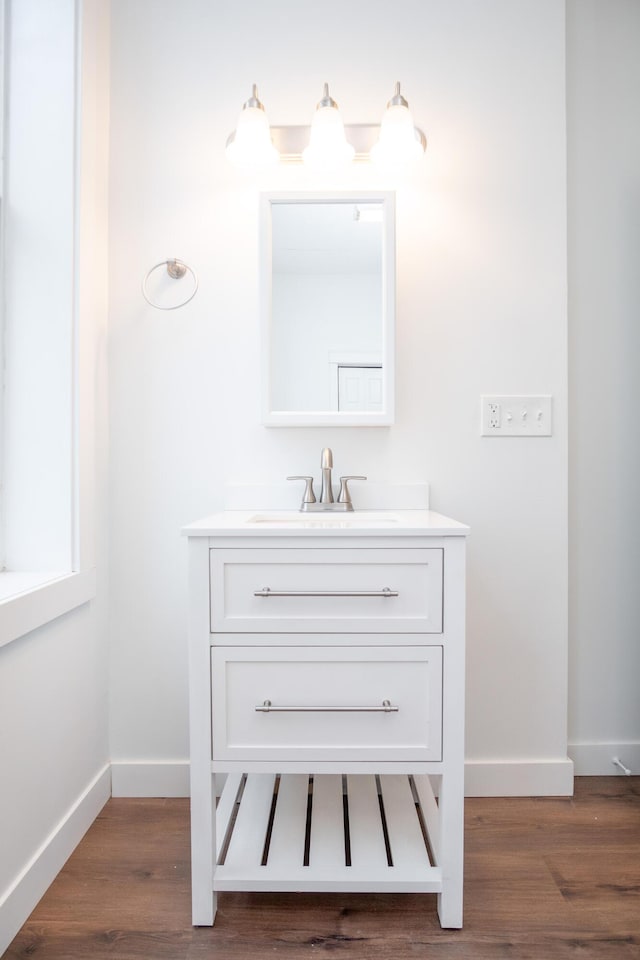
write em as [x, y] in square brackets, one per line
[203, 845]
[203, 801]
[451, 801]
[451, 805]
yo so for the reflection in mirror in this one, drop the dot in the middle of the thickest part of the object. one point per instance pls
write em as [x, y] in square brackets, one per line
[328, 308]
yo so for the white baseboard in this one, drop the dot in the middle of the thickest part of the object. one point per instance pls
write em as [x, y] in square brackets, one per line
[526, 778]
[482, 779]
[140, 779]
[17, 902]
[596, 759]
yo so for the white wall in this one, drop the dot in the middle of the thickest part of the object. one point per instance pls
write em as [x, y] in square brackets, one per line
[481, 244]
[603, 80]
[53, 680]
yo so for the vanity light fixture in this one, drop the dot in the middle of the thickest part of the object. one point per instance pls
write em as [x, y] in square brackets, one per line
[328, 145]
[328, 148]
[250, 147]
[400, 142]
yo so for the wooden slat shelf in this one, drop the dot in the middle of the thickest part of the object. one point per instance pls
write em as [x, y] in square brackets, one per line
[326, 832]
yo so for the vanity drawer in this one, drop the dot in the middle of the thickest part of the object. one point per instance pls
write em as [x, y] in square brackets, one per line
[350, 590]
[327, 703]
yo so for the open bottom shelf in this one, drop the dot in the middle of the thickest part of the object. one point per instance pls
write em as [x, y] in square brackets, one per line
[326, 832]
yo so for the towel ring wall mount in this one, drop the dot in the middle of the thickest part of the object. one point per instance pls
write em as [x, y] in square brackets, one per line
[176, 269]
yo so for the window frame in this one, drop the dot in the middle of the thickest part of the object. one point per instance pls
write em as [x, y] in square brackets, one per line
[3, 61]
[33, 593]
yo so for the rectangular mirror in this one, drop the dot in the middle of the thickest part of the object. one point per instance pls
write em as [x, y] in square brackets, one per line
[328, 308]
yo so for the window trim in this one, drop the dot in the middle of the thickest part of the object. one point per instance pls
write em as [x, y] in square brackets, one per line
[3, 139]
[38, 604]
[32, 599]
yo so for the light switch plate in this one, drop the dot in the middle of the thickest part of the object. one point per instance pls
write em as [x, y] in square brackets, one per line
[515, 416]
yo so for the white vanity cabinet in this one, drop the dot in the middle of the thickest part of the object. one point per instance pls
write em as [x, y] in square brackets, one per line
[327, 684]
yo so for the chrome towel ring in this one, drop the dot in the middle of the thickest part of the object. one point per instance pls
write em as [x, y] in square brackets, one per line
[176, 270]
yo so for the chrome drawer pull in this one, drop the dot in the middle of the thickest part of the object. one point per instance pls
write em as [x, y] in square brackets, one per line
[385, 707]
[268, 592]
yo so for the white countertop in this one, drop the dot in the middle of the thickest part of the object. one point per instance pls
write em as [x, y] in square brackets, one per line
[256, 523]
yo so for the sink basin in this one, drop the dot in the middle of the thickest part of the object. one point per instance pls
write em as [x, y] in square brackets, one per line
[257, 523]
[328, 519]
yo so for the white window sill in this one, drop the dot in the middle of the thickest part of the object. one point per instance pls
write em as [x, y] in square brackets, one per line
[30, 600]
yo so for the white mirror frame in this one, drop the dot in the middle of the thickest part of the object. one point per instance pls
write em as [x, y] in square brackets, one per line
[321, 418]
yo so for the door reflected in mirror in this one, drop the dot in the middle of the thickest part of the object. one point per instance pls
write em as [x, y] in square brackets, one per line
[328, 299]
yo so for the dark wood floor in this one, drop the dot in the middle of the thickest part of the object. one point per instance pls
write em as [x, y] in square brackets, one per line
[546, 879]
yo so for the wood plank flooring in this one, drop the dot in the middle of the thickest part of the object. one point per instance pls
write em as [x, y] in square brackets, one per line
[546, 879]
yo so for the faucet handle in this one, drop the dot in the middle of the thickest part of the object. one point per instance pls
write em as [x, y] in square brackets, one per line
[344, 496]
[308, 496]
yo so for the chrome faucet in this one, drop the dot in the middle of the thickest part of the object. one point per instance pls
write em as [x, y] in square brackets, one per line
[327, 503]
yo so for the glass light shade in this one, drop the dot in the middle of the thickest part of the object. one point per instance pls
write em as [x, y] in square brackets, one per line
[328, 149]
[399, 145]
[250, 147]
